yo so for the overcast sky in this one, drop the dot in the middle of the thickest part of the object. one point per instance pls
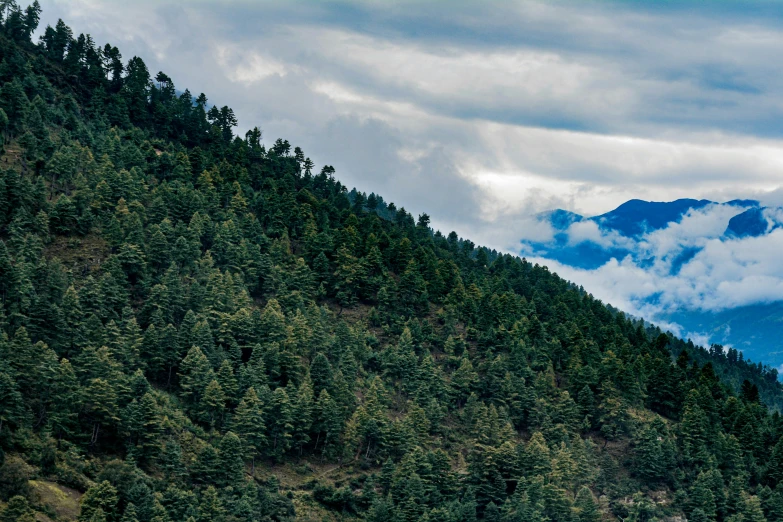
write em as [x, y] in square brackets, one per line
[483, 114]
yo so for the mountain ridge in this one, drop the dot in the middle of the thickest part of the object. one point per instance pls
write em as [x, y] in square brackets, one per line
[636, 216]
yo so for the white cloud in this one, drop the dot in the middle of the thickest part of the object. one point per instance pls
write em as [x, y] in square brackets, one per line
[247, 67]
[695, 230]
[455, 76]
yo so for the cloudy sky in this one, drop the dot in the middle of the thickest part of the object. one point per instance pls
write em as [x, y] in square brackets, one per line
[482, 114]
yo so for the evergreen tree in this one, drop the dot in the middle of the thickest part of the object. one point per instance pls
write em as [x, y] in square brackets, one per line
[280, 425]
[18, 509]
[775, 464]
[129, 515]
[586, 506]
[328, 422]
[651, 458]
[12, 408]
[101, 498]
[231, 459]
[210, 507]
[213, 403]
[195, 375]
[249, 424]
[320, 373]
[703, 500]
[752, 511]
[303, 414]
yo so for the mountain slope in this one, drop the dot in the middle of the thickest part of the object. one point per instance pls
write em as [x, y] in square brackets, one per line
[751, 223]
[198, 328]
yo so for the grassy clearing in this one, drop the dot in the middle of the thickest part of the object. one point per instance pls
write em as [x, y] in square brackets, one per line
[55, 499]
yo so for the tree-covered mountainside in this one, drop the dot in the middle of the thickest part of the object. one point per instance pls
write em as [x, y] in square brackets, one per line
[198, 328]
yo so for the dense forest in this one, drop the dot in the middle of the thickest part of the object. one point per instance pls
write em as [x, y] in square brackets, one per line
[195, 327]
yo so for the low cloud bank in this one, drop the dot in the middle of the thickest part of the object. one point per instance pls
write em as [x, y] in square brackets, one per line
[690, 265]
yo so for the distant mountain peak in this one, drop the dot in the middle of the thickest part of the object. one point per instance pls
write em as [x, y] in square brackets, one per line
[636, 216]
[754, 222]
[560, 219]
[743, 203]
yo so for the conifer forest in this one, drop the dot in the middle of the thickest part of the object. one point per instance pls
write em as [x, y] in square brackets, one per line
[197, 327]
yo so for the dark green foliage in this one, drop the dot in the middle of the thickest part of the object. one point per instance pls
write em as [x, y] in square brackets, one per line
[185, 312]
[100, 500]
[18, 509]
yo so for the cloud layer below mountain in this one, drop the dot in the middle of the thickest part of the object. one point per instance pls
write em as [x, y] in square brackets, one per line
[689, 265]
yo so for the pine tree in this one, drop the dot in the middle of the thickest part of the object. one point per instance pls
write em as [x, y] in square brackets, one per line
[231, 459]
[752, 511]
[195, 374]
[693, 428]
[18, 509]
[210, 507]
[774, 506]
[612, 415]
[280, 426]
[65, 398]
[272, 327]
[101, 405]
[225, 377]
[150, 425]
[775, 464]
[320, 373]
[213, 403]
[255, 372]
[329, 422]
[303, 414]
[206, 468]
[130, 515]
[249, 424]
[643, 509]
[349, 276]
[158, 249]
[586, 506]
[586, 402]
[462, 381]
[101, 498]
[703, 500]
[650, 459]
[12, 407]
[537, 460]
[413, 289]
[172, 463]
[202, 338]
[381, 510]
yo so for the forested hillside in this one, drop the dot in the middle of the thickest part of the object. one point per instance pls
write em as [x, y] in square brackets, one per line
[199, 328]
